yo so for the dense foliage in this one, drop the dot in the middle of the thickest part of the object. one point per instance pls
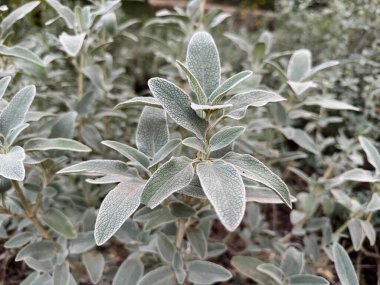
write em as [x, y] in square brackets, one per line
[172, 149]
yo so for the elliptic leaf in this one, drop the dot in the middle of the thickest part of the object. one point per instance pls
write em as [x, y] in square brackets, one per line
[152, 131]
[301, 138]
[119, 204]
[218, 179]
[98, 166]
[41, 250]
[374, 203]
[299, 65]
[64, 12]
[178, 105]
[160, 276]
[139, 101]
[254, 169]
[19, 239]
[198, 241]
[11, 164]
[17, 14]
[202, 59]
[195, 143]
[59, 223]
[205, 272]
[164, 152]
[343, 266]
[3, 85]
[307, 279]
[169, 178]
[372, 153]
[129, 272]
[356, 233]
[225, 137]
[328, 103]
[94, 263]
[61, 274]
[292, 262]
[55, 144]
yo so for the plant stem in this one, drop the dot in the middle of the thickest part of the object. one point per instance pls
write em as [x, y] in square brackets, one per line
[80, 76]
[181, 228]
[30, 213]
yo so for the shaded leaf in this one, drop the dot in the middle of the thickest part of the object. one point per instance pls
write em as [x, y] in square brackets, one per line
[59, 223]
[205, 272]
[343, 266]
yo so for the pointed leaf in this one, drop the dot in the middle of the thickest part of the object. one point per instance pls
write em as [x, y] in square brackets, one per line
[195, 143]
[129, 152]
[55, 144]
[129, 272]
[169, 178]
[119, 204]
[307, 279]
[256, 98]
[22, 53]
[138, 101]
[64, 126]
[374, 203]
[17, 14]
[356, 233]
[19, 239]
[94, 263]
[178, 105]
[198, 241]
[301, 138]
[217, 179]
[166, 248]
[205, 272]
[343, 266]
[41, 250]
[64, 12]
[372, 153]
[301, 87]
[4, 82]
[254, 169]
[14, 113]
[293, 262]
[262, 194]
[320, 67]
[61, 274]
[225, 137]
[227, 85]
[194, 83]
[59, 223]
[202, 59]
[160, 276]
[152, 131]
[328, 103]
[165, 151]
[98, 166]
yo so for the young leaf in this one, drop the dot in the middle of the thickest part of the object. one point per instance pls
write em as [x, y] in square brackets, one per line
[307, 279]
[64, 12]
[372, 153]
[129, 152]
[98, 166]
[197, 107]
[301, 87]
[202, 59]
[94, 263]
[138, 101]
[225, 137]
[129, 272]
[96, 76]
[119, 204]
[152, 131]
[41, 250]
[262, 194]
[320, 67]
[252, 168]
[178, 105]
[59, 223]
[19, 240]
[328, 103]
[11, 164]
[181, 210]
[195, 143]
[166, 248]
[72, 44]
[217, 179]
[164, 152]
[369, 231]
[356, 233]
[256, 98]
[198, 241]
[299, 65]
[343, 266]
[292, 262]
[160, 276]
[55, 144]
[273, 271]
[374, 203]
[227, 85]
[205, 272]
[64, 126]
[202, 98]
[169, 178]
[14, 113]
[14, 133]
[3, 85]
[17, 14]
[61, 274]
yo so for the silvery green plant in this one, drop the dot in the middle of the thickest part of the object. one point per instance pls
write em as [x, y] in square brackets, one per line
[209, 173]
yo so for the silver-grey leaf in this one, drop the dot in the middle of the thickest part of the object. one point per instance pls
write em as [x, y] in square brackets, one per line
[195, 143]
[202, 59]
[11, 164]
[178, 105]
[119, 204]
[66, 13]
[224, 188]
[17, 14]
[72, 44]
[225, 137]
[152, 131]
[14, 113]
[98, 166]
[299, 65]
[254, 169]
[165, 151]
[343, 266]
[129, 272]
[55, 144]
[372, 153]
[4, 84]
[205, 272]
[139, 101]
[169, 178]
[94, 263]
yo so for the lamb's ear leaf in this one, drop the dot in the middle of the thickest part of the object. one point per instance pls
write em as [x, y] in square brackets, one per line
[225, 137]
[194, 83]
[372, 153]
[119, 204]
[344, 266]
[43, 144]
[97, 166]
[12, 164]
[299, 65]
[254, 169]
[169, 178]
[14, 113]
[17, 14]
[4, 84]
[178, 105]
[217, 179]
[152, 131]
[72, 44]
[139, 101]
[227, 85]
[202, 59]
